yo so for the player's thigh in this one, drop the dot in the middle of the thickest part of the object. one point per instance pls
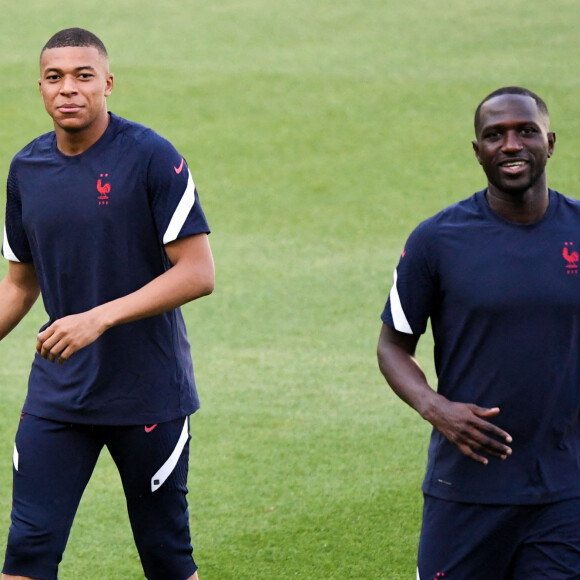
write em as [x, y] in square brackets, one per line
[465, 540]
[52, 464]
[151, 457]
[551, 548]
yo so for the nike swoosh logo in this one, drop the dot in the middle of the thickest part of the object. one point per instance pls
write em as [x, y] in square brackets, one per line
[178, 169]
[149, 429]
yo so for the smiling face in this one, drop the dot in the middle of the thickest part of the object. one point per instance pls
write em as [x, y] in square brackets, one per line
[513, 144]
[75, 83]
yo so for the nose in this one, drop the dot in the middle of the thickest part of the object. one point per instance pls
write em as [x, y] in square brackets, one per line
[68, 85]
[512, 141]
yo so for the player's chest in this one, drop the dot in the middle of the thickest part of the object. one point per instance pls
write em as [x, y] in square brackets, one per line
[513, 270]
[94, 193]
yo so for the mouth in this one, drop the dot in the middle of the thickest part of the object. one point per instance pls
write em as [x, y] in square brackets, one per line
[69, 108]
[513, 166]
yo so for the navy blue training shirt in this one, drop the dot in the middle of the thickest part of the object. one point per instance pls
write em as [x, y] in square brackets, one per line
[504, 304]
[95, 225]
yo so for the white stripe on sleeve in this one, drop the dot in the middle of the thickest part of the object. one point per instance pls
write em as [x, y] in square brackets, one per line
[181, 212]
[399, 318]
[15, 457]
[165, 471]
[7, 250]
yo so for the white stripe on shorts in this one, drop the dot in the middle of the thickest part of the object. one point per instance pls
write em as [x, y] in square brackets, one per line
[165, 471]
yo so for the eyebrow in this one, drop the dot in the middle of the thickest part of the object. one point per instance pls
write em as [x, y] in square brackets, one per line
[516, 123]
[77, 69]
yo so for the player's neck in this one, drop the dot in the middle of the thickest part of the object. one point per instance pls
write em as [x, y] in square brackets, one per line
[522, 207]
[75, 142]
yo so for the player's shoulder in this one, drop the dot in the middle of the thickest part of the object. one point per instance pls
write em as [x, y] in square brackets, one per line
[461, 213]
[149, 149]
[141, 137]
[566, 202]
[39, 147]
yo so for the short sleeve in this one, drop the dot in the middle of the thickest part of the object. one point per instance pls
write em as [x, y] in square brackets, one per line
[176, 207]
[414, 290]
[15, 245]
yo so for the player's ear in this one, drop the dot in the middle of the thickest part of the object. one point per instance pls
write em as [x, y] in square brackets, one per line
[109, 84]
[476, 150]
[551, 143]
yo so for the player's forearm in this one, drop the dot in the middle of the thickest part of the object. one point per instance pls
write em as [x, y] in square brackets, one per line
[404, 375]
[191, 276]
[67, 335]
[17, 296]
[14, 309]
[177, 286]
[397, 362]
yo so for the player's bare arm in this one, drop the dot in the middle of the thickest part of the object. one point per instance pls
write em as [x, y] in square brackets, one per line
[191, 277]
[18, 292]
[463, 424]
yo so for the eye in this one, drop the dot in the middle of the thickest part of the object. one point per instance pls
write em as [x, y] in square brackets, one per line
[529, 131]
[85, 76]
[52, 77]
[491, 135]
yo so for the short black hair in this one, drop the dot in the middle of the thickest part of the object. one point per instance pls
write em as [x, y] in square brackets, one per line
[542, 107]
[75, 37]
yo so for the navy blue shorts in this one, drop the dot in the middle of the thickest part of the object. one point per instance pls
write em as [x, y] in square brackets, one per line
[53, 463]
[483, 542]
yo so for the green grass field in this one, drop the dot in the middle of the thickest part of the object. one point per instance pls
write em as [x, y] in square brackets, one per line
[319, 134]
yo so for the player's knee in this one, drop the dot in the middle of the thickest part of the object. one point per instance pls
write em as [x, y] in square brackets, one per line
[33, 550]
[166, 556]
[161, 563]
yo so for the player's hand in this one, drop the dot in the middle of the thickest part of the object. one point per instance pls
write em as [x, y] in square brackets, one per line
[465, 426]
[65, 336]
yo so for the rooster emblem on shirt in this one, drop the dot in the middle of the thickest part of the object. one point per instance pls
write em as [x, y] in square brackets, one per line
[103, 189]
[571, 257]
